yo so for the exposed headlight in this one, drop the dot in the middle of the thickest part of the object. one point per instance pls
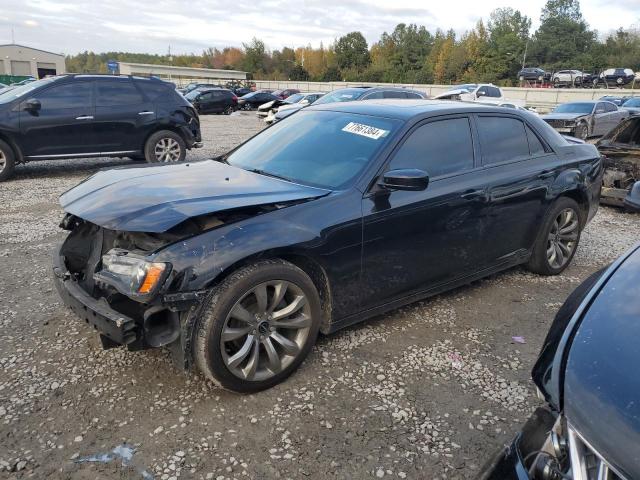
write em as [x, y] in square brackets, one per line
[129, 273]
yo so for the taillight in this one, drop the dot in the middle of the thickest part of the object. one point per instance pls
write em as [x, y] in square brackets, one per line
[234, 98]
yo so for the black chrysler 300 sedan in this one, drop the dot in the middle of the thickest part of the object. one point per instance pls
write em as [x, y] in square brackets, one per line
[586, 371]
[338, 213]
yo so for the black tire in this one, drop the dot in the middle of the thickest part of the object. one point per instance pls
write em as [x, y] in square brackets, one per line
[216, 310]
[582, 131]
[7, 161]
[168, 137]
[228, 110]
[539, 261]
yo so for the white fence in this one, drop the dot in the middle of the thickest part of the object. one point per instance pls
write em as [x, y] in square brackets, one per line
[542, 98]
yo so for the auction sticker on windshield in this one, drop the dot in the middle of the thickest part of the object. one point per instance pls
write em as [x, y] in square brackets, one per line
[365, 130]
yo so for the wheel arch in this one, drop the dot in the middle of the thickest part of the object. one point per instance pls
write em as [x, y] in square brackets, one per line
[306, 263]
[19, 157]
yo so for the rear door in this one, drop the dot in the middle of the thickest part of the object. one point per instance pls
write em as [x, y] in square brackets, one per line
[124, 116]
[601, 119]
[420, 240]
[518, 168]
[64, 125]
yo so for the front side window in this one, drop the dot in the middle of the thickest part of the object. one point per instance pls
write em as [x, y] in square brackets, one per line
[111, 93]
[439, 148]
[318, 148]
[69, 95]
[502, 139]
[610, 107]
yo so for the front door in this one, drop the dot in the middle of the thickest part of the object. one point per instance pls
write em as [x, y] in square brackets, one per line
[64, 123]
[124, 117]
[421, 240]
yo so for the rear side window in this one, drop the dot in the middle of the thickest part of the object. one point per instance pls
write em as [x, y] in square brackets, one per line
[394, 94]
[69, 95]
[536, 147]
[439, 148]
[156, 90]
[111, 93]
[413, 95]
[503, 139]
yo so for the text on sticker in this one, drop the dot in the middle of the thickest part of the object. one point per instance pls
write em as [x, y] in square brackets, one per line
[365, 130]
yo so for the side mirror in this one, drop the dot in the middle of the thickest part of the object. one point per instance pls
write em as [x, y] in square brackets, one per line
[304, 102]
[481, 94]
[405, 179]
[32, 105]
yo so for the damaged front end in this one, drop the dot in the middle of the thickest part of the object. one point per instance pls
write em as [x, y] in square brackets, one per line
[621, 180]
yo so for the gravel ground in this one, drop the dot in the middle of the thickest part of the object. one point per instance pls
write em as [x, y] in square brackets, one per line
[427, 391]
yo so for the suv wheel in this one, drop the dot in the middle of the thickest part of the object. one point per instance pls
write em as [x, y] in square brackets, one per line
[257, 326]
[558, 240]
[228, 110]
[7, 161]
[165, 146]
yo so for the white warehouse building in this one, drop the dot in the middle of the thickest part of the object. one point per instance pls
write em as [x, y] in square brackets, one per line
[181, 75]
[26, 61]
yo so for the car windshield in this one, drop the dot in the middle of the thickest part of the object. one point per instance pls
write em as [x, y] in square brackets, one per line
[317, 148]
[342, 95]
[295, 98]
[23, 90]
[632, 102]
[192, 94]
[574, 108]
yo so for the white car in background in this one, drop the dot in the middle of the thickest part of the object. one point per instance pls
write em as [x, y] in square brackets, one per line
[269, 109]
[478, 92]
[568, 76]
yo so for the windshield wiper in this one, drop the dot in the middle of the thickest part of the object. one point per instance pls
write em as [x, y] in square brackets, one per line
[267, 174]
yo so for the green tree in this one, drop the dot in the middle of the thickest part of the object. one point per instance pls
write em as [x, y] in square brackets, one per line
[508, 37]
[299, 73]
[255, 56]
[352, 52]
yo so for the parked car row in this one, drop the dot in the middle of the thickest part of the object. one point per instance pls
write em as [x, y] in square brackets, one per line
[577, 78]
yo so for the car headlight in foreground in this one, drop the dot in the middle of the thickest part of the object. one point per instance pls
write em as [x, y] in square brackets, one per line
[130, 274]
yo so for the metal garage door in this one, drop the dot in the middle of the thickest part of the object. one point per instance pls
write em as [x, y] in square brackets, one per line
[20, 68]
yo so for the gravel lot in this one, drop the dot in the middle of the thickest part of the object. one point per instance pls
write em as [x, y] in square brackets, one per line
[427, 391]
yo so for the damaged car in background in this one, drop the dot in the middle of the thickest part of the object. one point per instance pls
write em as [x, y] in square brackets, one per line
[589, 428]
[621, 151]
[585, 119]
[318, 222]
[268, 110]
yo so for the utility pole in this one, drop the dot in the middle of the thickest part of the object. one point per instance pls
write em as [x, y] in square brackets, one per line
[13, 36]
[524, 57]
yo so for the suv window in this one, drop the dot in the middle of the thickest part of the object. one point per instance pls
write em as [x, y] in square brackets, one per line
[439, 148]
[156, 90]
[70, 95]
[483, 90]
[111, 93]
[493, 92]
[502, 139]
[394, 94]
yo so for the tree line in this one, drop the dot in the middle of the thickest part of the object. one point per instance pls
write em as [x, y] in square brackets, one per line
[493, 51]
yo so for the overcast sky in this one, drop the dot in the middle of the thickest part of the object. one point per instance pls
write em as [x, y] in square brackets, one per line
[150, 26]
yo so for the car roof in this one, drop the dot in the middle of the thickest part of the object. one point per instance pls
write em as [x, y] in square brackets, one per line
[407, 109]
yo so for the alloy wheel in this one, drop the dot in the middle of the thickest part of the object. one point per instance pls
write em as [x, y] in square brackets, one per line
[3, 161]
[167, 150]
[563, 237]
[265, 330]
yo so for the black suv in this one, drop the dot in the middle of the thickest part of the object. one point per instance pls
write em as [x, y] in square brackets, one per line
[72, 116]
[336, 214]
[213, 100]
[533, 74]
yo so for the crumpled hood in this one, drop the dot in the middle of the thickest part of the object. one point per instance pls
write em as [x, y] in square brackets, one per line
[448, 93]
[563, 116]
[155, 198]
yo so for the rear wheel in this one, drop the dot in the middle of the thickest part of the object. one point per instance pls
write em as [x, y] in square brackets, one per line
[165, 146]
[558, 240]
[228, 110]
[7, 161]
[257, 326]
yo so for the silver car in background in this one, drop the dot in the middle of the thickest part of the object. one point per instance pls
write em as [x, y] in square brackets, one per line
[585, 119]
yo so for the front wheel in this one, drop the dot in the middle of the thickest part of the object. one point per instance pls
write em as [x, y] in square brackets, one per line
[582, 131]
[558, 240]
[165, 146]
[257, 326]
[7, 161]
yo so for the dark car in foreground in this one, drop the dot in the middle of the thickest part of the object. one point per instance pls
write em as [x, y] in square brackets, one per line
[216, 100]
[354, 94]
[590, 427]
[74, 116]
[318, 222]
[585, 119]
[621, 151]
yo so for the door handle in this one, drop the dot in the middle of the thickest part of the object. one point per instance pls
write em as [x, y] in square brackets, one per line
[546, 174]
[85, 117]
[146, 113]
[474, 195]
